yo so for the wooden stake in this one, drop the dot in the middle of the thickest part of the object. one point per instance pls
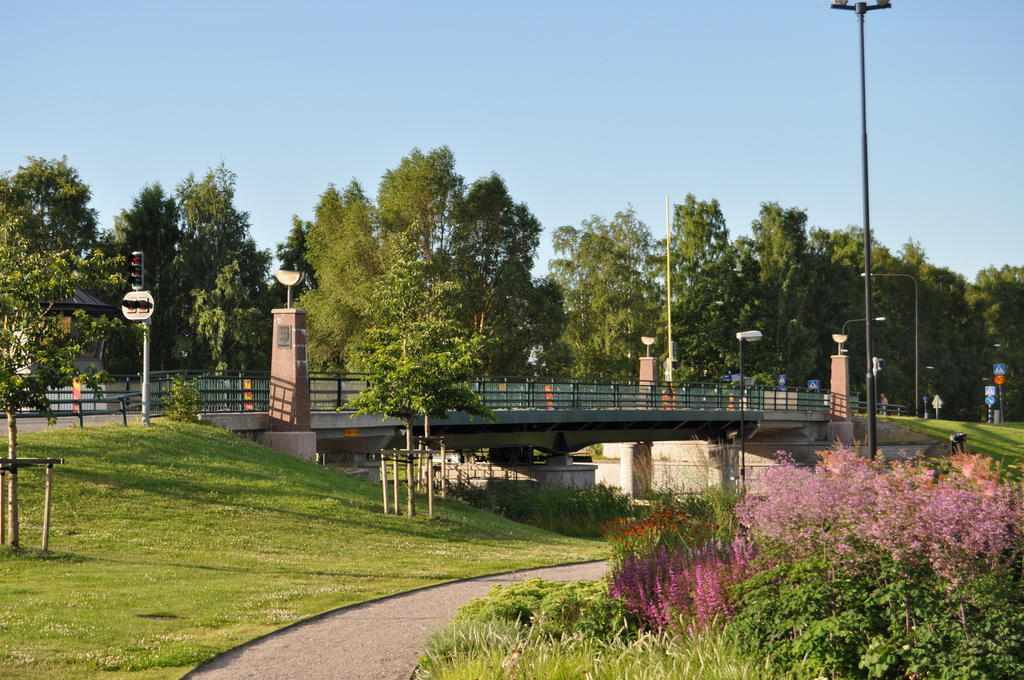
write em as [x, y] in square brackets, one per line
[47, 504]
[3, 525]
[384, 481]
[444, 471]
[430, 486]
[410, 497]
[394, 483]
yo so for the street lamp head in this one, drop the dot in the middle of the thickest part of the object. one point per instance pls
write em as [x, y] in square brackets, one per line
[839, 3]
[647, 340]
[287, 277]
[840, 338]
[749, 336]
[879, 318]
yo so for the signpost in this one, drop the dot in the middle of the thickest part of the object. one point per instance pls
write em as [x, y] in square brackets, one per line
[138, 306]
[937, 404]
[814, 384]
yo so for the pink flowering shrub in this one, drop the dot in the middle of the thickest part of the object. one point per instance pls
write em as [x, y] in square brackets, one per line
[687, 587]
[962, 524]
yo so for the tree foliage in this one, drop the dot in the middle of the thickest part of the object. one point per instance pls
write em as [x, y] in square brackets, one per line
[51, 205]
[417, 360]
[39, 348]
[607, 270]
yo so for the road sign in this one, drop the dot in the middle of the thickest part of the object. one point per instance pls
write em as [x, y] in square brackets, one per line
[782, 383]
[137, 305]
[998, 369]
[990, 400]
[990, 390]
[814, 384]
[999, 379]
[937, 402]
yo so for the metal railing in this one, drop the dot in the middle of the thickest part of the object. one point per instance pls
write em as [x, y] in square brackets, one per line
[243, 391]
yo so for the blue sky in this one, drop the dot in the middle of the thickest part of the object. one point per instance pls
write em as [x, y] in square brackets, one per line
[584, 108]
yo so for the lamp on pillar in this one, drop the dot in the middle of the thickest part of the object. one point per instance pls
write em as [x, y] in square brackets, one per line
[839, 339]
[647, 373]
[289, 279]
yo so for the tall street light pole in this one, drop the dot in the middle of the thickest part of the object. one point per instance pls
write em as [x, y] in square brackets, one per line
[917, 356]
[744, 336]
[862, 8]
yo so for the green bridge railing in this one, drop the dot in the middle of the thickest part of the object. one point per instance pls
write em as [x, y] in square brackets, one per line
[239, 392]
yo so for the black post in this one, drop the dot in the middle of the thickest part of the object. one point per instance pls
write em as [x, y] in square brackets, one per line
[862, 8]
[868, 307]
[743, 429]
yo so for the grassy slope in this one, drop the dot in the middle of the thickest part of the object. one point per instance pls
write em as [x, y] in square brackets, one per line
[174, 543]
[1003, 442]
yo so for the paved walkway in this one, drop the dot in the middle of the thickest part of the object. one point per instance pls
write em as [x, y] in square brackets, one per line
[378, 640]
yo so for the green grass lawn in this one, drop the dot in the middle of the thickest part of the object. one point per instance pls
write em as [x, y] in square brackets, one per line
[1004, 443]
[173, 543]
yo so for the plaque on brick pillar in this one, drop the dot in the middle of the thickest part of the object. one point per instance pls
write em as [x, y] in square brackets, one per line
[289, 373]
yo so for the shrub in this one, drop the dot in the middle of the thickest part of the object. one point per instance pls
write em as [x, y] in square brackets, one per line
[683, 587]
[182, 401]
[552, 609]
[815, 619]
[959, 525]
[572, 512]
[886, 571]
[665, 527]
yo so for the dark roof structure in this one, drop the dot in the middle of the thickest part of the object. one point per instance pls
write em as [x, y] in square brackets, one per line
[86, 301]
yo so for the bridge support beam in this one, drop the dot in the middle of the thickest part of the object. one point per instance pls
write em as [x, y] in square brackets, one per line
[289, 430]
[634, 465]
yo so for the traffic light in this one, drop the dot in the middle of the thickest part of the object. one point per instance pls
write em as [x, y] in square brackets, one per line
[135, 270]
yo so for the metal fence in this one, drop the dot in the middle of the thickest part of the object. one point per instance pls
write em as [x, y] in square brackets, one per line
[239, 392]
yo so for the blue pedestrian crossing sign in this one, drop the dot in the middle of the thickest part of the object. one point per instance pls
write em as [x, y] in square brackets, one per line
[814, 384]
[990, 400]
[990, 390]
[998, 369]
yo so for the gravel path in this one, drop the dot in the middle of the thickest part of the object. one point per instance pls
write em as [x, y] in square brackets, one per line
[378, 640]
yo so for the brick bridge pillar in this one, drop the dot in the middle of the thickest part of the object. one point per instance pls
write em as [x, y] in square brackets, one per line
[288, 430]
[841, 428]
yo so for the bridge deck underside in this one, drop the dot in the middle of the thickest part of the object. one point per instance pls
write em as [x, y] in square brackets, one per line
[551, 431]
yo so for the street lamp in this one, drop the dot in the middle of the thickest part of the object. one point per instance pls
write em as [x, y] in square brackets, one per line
[862, 8]
[916, 354]
[744, 336]
[849, 321]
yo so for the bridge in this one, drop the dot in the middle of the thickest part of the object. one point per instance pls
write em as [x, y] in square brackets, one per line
[556, 416]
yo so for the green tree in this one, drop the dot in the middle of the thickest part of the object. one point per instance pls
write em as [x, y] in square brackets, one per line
[997, 296]
[416, 202]
[39, 349]
[346, 260]
[51, 204]
[608, 274]
[780, 243]
[704, 288]
[215, 234]
[232, 324]
[151, 226]
[417, 361]
[292, 254]
[493, 244]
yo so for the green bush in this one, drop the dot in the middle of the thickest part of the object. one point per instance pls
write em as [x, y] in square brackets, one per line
[886, 622]
[467, 650]
[182, 401]
[571, 512]
[552, 609]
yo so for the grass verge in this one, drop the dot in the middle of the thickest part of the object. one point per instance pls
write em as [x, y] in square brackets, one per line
[174, 543]
[1004, 442]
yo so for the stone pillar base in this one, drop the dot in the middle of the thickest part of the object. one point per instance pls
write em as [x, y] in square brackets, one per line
[840, 431]
[301, 445]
